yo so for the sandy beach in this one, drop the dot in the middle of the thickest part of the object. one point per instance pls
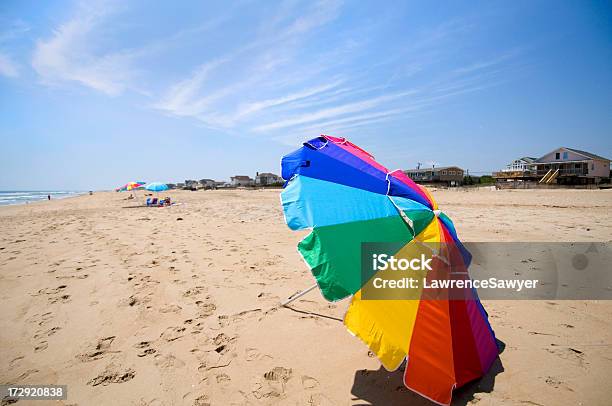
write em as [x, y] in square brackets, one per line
[179, 305]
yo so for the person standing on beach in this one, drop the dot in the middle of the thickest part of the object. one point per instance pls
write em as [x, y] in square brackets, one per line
[48, 197]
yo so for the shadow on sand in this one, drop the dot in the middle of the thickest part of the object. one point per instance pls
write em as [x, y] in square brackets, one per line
[382, 388]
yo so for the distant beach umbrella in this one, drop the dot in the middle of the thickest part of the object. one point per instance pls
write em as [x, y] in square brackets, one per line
[134, 185]
[129, 186]
[346, 198]
[156, 187]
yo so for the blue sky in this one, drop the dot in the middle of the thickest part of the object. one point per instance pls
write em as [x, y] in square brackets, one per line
[94, 94]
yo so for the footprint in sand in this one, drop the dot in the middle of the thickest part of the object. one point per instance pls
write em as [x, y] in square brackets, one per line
[258, 390]
[15, 361]
[25, 375]
[113, 374]
[253, 354]
[278, 374]
[47, 333]
[201, 401]
[41, 346]
[170, 308]
[223, 378]
[132, 301]
[196, 291]
[101, 348]
[49, 291]
[569, 353]
[197, 328]
[222, 343]
[309, 382]
[225, 320]
[205, 308]
[168, 362]
[82, 276]
[145, 346]
[60, 299]
[273, 385]
[173, 333]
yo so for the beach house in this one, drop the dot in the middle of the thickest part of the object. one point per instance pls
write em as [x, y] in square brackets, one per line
[267, 179]
[520, 170]
[206, 184]
[443, 175]
[524, 164]
[561, 166]
[572, 166]
[191, 184]
[240, 180]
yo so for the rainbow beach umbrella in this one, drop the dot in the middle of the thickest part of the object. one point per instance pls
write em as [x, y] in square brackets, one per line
[339, 192]
[134, 185]
[129, 186]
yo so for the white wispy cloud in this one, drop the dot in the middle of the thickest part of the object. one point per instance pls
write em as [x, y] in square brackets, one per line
[67, 56]
[76, 51]
[180, 99]
[483, 65]
[8, 67]
[199, 96]
[282, 89]
[332, 112]
[246, 110]
[292, 74]
[255, 107]
[321, 13]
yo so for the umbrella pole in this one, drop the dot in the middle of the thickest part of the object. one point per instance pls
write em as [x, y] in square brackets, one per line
[298, 295]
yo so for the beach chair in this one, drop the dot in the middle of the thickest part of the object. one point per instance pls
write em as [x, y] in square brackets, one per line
[148, 201]
[154, 202]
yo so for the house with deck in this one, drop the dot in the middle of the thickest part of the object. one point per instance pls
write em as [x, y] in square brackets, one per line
[524, 164]
[241, 180]
[520, 170]
[572, 166]
[562, 166]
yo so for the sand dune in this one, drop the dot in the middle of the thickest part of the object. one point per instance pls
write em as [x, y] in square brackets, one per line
[163, 306]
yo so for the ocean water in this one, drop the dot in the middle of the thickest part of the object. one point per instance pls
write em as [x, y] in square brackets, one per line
[27, 196]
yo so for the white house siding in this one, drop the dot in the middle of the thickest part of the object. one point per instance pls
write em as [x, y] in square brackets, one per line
[600, 169]
[571, 156]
